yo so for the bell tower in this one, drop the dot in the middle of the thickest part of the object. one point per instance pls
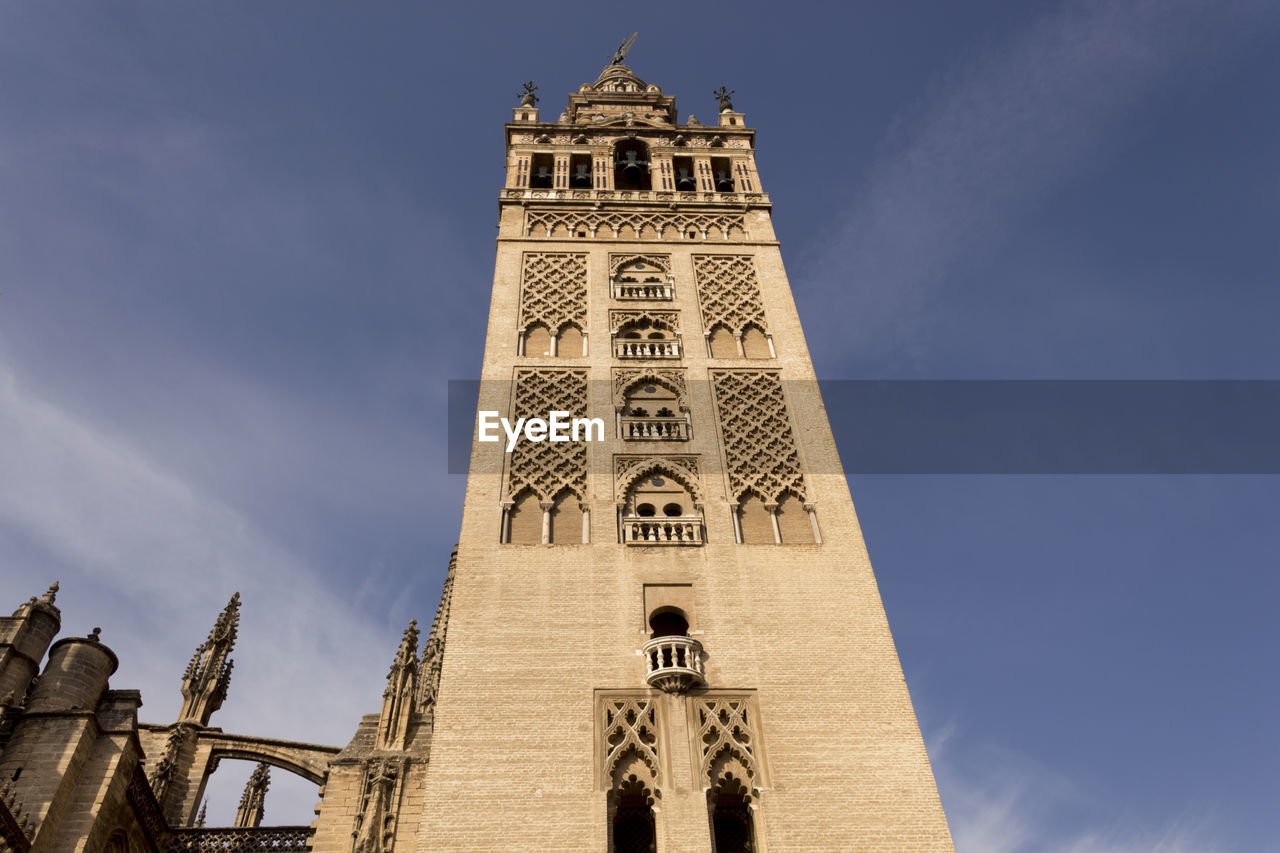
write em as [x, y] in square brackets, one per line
[665, 634]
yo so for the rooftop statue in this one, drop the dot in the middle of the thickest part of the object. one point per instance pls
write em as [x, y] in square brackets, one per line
[623, 49]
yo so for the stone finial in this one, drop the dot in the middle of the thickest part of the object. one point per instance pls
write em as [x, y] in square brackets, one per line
[204, 814]
[205, 682]
[51, 594]
[725, 96]
[95, 635]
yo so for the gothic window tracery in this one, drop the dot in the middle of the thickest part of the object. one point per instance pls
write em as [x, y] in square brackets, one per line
[629, 741]
[659, 499]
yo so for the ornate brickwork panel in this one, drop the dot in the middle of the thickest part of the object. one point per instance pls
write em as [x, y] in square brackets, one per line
[672, 380]
[629, 727]
[547, 467]
[669, 320]
[729, 293]
[727, 738]
[662, 263]
[685, 469]
[755, 431]
[633, 224]
[553, 290]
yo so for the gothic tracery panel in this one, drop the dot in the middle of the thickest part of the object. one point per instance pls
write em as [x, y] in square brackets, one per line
[629, 729]
[553, 290]
[755, 431]
[546, 468]
[729, 293]
[727, 739]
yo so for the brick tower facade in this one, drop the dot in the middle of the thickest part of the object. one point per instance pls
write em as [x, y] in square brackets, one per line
[670, 639]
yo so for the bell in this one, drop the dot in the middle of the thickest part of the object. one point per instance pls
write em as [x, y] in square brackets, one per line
[685, 181]
[582, 176]
[724, 183]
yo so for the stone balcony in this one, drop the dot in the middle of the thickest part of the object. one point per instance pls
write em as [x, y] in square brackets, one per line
[654, 429]
[651, 291]
[633, 348]
[674, 663]
[682, 530]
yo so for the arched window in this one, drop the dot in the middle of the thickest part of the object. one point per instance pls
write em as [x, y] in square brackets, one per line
[732, 829]
[722, 343]
[632, 828]
[755, 344]
[524, 520]
[793, 522]
[668, 622]
[537, 341]
[569, 343]
[631, 167]
[659, 495]
[757, 527]
[566, 519]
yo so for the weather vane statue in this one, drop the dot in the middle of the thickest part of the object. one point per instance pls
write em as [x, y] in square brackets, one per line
[527, 97]
[621, 53]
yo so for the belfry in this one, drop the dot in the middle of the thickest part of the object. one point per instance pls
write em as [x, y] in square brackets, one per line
[663, 636]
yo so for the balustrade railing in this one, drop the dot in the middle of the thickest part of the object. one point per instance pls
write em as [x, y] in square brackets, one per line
[735, 199]
[239, 839]
[684, 530]
[674, 663]
[632, 348]
[655, 429]
[650, 290]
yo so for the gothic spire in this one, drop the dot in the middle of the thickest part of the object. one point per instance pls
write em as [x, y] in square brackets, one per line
[433, 651]
[204, 684]
[249, 813]
[400, 699]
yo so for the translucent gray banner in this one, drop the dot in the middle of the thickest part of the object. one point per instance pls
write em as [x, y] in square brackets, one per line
[1009, 427]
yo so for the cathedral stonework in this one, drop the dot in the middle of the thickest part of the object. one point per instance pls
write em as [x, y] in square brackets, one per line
[668, 640]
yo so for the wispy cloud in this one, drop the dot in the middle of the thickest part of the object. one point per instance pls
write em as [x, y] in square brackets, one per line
[1000, 801]
[999, 134]
[150, 558]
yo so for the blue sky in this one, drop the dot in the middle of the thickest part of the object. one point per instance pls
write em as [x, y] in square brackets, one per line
[244, 246]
